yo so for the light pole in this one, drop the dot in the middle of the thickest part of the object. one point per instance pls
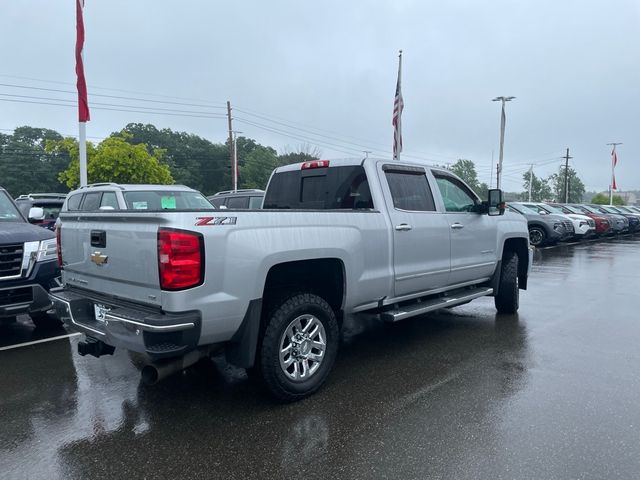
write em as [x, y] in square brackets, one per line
[503, 121]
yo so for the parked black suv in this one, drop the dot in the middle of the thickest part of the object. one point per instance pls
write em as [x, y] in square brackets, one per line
[239, 199]
[28, 266]
[50, 203]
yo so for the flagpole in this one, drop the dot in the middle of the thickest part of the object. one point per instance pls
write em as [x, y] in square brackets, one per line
[83, 102]
[82, 128]
[398, 106]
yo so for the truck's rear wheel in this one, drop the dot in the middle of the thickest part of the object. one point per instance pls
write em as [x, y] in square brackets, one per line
[508, 298]
[299, 346]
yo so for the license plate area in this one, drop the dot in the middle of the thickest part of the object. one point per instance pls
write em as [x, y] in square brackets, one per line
[100, 312]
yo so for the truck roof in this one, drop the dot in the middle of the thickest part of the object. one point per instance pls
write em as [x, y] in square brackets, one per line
[131, 187]
[348, 162]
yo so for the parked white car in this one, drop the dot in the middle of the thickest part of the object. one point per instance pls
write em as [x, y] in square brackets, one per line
[583, 226]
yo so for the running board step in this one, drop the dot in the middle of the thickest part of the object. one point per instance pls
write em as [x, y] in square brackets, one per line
[435, 304]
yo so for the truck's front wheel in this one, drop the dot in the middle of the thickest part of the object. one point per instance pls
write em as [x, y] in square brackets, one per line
[299, 346]
[508, 298]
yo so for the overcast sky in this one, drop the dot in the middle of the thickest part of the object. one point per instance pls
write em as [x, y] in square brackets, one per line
[329, 68]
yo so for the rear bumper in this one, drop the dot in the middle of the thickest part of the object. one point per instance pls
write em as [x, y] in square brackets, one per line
[153, 332]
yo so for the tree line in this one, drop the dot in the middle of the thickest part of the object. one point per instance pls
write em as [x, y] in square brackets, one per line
[42, 160]
[551, 188]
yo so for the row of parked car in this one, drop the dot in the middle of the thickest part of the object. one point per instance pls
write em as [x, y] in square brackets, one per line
[550, 223]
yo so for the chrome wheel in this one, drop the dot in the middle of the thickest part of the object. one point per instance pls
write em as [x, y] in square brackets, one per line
[302, 347]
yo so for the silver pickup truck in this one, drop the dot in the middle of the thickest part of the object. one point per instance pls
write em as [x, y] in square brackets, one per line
[335, 239]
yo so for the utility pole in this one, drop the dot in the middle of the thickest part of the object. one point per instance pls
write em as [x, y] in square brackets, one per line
[235, 160]
[530, 180]
[613, 166]
[566, 176]
[503, 122]
[231, 146]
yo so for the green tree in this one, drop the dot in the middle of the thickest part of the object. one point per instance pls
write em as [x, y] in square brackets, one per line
[304, 153]
[466, 170]
[602, 198]
[576, 187]
[112, 160]
[25, 166]
[193, 160]
[540, 189]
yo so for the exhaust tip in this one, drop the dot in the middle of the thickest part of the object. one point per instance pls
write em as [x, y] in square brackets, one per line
[149, 375]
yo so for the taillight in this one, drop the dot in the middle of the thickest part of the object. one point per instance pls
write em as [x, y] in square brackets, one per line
[315, 164]
[59, 245]
[180, 259]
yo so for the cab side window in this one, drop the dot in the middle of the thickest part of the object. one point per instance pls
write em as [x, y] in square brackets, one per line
[74, 202]
[109, 200]
[409, 189]
[456, 196]
[91, 201]
[238, 202]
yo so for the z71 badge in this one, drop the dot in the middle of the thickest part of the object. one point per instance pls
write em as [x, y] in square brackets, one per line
[211, 221]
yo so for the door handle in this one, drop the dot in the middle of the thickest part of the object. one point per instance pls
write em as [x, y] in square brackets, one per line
[403, 227]
[457, 226]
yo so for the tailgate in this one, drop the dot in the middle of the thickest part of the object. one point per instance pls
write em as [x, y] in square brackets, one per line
[113, 255]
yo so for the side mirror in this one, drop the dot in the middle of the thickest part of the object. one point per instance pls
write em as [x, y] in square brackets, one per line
[495, 202]
[36, 214]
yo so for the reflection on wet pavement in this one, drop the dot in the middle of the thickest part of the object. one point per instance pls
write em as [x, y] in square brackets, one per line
[551, 393]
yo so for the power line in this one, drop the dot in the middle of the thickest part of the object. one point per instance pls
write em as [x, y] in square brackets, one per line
[112, 109]
[95, 87]
[73, 103]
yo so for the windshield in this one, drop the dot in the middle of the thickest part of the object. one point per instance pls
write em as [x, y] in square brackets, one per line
[166, 200]
[524, 210]
[574, 209]
[552, 209]
[8, 211]
[590, 209]
[609, 210]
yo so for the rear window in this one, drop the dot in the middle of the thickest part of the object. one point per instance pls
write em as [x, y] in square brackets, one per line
[51, 210]
[166, 200]
[333, 188]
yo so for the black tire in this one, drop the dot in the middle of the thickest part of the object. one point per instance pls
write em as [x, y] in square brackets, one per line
[45, 321]
[278, 321]
[508, 298]
[537, 236]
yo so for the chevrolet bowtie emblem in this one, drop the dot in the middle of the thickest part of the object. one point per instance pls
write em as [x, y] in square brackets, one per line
[99, 259]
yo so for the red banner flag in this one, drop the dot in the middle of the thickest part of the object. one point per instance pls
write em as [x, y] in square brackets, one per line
[81, 84]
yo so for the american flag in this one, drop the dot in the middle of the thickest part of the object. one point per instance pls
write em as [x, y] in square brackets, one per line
[83, 102]
[398, 106]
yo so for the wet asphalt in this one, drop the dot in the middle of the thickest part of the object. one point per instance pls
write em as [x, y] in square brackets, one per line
[553, 392]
